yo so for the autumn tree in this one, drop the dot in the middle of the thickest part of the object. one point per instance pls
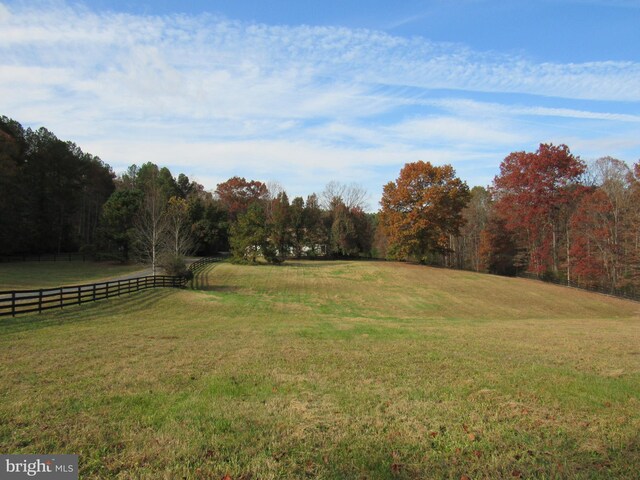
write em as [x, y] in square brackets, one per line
[604, 240]
[421, 209]
[635, 221]
[497, 249]
[466, 246]
[533, 192]
[236, 194]
[595, 256]
[476, 216]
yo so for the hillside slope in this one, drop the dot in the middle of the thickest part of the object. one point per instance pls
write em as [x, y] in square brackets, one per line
[331, 370]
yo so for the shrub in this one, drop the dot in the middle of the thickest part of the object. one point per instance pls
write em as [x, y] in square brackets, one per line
[174, 265]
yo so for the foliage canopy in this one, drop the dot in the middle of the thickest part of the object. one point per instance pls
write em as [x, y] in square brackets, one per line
[421, 209]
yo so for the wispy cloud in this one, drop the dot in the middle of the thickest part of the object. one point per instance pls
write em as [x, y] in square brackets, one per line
[467, 107]
[205, 93]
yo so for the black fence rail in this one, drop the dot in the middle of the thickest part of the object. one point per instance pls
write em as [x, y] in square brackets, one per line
[17, 302]
[28, 301]
[626, 293]
[199, 264]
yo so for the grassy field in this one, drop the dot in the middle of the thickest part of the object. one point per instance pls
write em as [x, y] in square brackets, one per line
[332, 370]
[25, 275]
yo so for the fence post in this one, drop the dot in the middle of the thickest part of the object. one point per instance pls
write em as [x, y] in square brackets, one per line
[13, 304]
[118, 287]
[94, 292]
[61, 299]
[40, 301]
[79, 296]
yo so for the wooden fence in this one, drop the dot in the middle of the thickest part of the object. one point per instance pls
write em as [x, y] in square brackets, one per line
[629, 293]
[199, 264]
[16, 302]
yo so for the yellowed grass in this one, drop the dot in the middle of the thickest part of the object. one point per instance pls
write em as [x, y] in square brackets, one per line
[331, 370]
[31, 275]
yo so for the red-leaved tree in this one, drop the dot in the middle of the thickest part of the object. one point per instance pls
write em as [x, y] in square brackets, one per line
[236, 194]
[605, 238]
[534, 195]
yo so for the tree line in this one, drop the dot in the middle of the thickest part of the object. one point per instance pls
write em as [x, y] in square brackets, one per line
[265, 224]
[56, 198]
[547, 212]
[51, 192]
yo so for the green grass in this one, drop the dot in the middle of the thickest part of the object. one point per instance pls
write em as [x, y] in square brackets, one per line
[331, 370]
[25, 275]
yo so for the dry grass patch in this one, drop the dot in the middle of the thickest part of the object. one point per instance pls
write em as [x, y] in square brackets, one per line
[331, 370]
[29, 275]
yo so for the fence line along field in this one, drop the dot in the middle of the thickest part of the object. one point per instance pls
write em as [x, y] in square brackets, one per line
[28, 301]
[18, 302]
[331, 370]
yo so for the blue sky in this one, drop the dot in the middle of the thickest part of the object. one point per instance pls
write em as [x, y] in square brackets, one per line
[305, 92]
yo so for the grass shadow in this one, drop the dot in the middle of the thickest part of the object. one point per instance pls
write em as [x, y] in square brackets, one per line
[220, 289]
[137, 302]
[313, 263]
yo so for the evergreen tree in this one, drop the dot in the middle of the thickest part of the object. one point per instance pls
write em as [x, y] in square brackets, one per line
[249, 234]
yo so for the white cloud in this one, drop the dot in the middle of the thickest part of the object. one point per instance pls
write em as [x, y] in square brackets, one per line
[4, 13]
[451, 130]
[205, 54]
[473, 108]
[218, 97]
[614, 145]
[302, 166]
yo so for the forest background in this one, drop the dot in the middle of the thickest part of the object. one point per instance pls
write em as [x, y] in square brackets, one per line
[548, 213]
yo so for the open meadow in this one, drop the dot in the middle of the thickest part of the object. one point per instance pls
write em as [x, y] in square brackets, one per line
[48, 274]
[332, 370]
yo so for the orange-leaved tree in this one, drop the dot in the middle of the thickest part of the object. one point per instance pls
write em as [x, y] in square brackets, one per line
[421, 209]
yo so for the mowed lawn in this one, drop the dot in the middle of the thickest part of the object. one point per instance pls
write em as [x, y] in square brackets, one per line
[333, 370]
[27, 275]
